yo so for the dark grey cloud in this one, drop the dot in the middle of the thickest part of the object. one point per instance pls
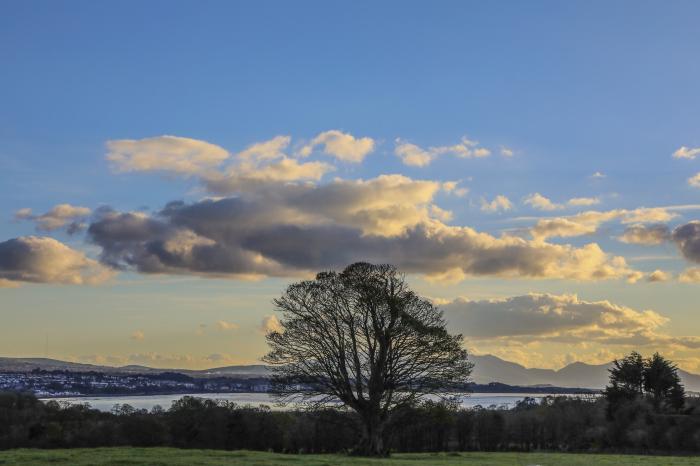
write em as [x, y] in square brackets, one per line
[560, 318]
[237, 236]
[687, 238]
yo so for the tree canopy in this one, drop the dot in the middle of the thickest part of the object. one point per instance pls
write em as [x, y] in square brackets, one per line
[362, 338]
[654, 379]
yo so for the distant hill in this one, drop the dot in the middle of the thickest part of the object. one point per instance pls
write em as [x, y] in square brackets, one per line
[29, 364]
[487, 368]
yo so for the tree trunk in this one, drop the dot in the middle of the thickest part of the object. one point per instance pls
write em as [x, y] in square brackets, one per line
[372, 441]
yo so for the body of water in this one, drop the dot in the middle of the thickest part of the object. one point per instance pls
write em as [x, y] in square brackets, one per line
[106, 403]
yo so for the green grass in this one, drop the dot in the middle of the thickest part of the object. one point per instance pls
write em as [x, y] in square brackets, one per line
[172, 456]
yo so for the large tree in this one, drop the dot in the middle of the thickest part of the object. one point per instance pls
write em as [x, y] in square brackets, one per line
[363, 339]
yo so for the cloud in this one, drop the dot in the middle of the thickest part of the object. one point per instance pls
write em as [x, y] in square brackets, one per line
[690, 275]
[161, 360]
[452, 187]
[138, 335]
[328, 227]
[343, 146]
[646, 234]
[266, 150]
[694, 180]
[270, 324]
[586, 223]
[413, 155]
[499, 203]
[62, 215]
[687, 239]
[164, 153]
[598, 175]
[39, 259]
[539, 202]
[386, 205]
[260, 165]
[223, 325]
[250, 176]
[658, 276]
[686, 153]
[646, 215]
[8, 284]
[583, 201]
[506, 152]
[223, 359]
[280, 222]
[560, 318]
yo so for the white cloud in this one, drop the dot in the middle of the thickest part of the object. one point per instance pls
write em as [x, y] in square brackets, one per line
[414, 155]
[161, 360]
[164, 153]
[387, 205]
[499, 203]
[60, 216]
[506, 152]
[588, 222]
[453, 187]
[646, 215]
[343, 146]
[583, 201]
[646, 234]
[266, 150]
[270, 324]
[694, 180]
[598, 175]
[262, 164]
[223, 325]
[658, 276]
[686, 153]
[690, 275]
[223, 359]
[539, 202]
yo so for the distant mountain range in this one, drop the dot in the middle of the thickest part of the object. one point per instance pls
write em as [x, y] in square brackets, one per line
[487, 369]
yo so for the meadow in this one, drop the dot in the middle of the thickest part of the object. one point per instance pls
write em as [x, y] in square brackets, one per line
[124, 456]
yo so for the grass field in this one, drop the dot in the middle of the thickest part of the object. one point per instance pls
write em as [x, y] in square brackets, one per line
[172, 456]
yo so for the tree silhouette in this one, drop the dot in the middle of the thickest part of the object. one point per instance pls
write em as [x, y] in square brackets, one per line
[363, 339]
[662, 383]
[654, 379]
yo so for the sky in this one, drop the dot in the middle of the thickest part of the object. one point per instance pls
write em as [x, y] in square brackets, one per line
[168, 168]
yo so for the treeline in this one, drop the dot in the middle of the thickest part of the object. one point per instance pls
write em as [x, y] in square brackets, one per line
[557, 423]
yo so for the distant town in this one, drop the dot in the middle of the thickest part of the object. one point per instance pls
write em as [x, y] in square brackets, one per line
[67, 383]
[59, 383]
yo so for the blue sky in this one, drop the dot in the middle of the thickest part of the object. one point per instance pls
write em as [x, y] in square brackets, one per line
[572, 88]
